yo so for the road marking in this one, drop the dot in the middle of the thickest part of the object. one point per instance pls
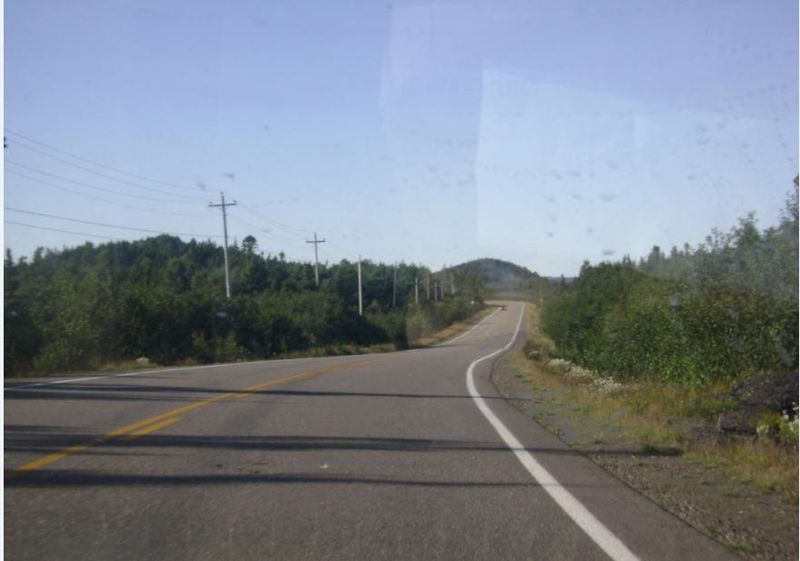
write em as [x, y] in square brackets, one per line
[162, 420]
[204, 367]
[152, 428]
[46, 460]
[595, 529]
[474, 327]
[143, 372]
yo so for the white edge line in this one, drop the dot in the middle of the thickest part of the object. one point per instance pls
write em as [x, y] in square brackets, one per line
[595, 529]
[151, 371]
[182, 368]
[454, 339]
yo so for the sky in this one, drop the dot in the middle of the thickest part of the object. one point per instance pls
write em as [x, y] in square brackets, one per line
[433, 132]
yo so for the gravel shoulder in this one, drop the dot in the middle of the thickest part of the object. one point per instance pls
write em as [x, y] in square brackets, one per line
[754, 524]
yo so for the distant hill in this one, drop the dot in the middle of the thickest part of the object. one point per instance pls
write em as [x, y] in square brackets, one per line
[496, 274]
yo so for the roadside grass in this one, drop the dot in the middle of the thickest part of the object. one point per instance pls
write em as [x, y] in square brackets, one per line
[769, 466]
[452, 330]
[340, 349]
[664, 418]
[125, 365]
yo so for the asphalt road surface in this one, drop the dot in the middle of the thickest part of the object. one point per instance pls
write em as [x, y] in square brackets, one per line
[409, 455]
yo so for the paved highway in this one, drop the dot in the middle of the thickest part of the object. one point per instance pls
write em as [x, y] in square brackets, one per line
[409, 455]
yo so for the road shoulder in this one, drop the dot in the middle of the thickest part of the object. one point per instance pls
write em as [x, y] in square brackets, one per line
[751, 523]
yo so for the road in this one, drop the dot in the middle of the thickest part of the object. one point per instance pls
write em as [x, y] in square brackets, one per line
[409, 455]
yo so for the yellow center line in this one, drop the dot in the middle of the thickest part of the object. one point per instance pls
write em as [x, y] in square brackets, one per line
[163, 420]
[152, 428]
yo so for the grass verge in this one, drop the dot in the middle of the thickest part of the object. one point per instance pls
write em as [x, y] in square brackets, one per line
[665, 418]
[453, 330]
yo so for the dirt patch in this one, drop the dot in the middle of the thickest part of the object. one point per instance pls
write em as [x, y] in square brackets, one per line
[753, 523]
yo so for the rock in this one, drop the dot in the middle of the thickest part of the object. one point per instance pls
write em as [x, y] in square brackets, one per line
[775, 392]
[742, 421]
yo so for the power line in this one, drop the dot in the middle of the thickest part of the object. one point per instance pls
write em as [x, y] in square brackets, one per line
[105, 166]
[284, 238]
[264, 231]
[108, 225]
[290, 229]
[105, 175]
[96, 198]
[281, 237]
[344, 250]
[88, 186]
[61, 231]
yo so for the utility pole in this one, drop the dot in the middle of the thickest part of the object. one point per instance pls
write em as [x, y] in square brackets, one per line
[428, 287]
[316, 257]
[452, 284]
[394, 287]
[435, 291]
[223, 205]
[360, 308]
[416, 291]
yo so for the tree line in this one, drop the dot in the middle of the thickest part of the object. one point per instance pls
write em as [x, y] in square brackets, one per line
[163, 298]
[722, 310]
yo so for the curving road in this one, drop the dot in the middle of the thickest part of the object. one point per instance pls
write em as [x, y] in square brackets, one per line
[409, 455]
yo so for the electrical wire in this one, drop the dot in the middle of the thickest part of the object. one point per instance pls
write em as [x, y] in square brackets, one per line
[106, 176]
[100, 199]
[57, 217]
[88, 186]
[61, 231]
[290, 235]
[270, 235]
[289, 229]
[105, 166]
[344, 250]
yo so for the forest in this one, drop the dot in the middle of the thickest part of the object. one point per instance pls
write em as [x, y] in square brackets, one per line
[722, 310]
[718, 311]
[163, 300]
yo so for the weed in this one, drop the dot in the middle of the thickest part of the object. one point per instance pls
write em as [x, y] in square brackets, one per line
[745, 548]
[769, 466]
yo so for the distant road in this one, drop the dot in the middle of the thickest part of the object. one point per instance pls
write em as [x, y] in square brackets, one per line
[408, 455]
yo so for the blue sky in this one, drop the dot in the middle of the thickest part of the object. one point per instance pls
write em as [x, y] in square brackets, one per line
[545, 133]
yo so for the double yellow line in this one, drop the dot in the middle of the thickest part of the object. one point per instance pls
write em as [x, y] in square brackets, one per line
[168, 418]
